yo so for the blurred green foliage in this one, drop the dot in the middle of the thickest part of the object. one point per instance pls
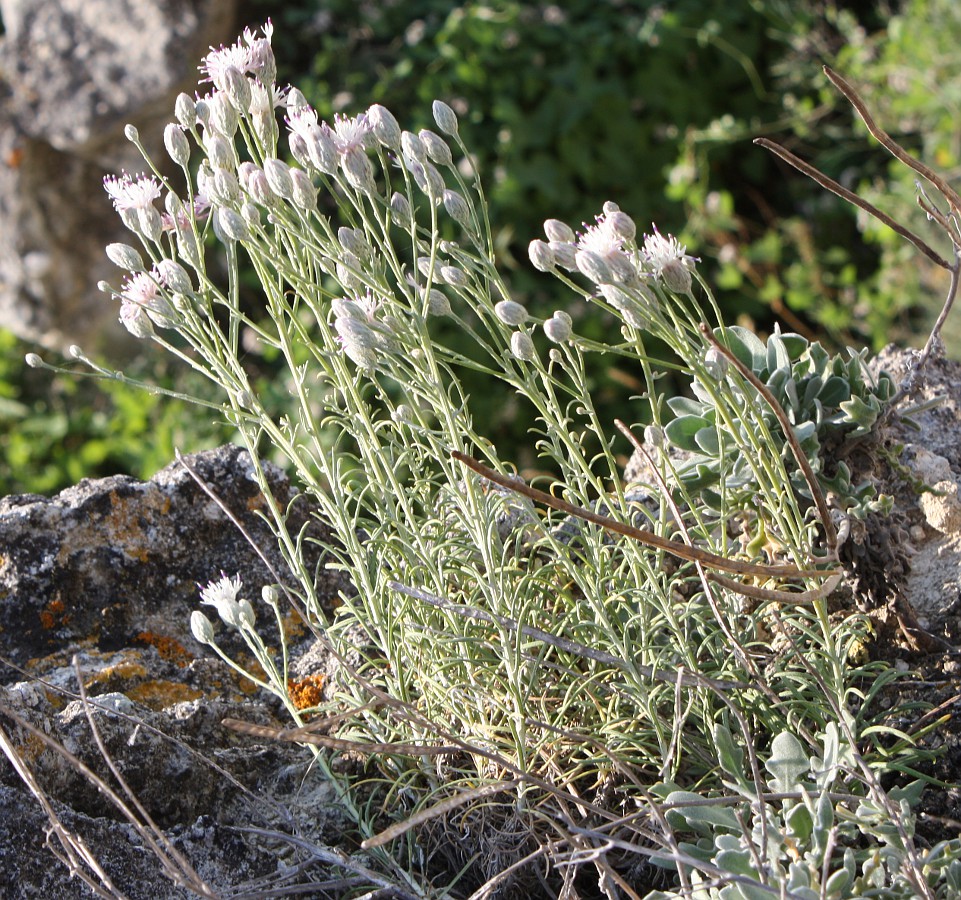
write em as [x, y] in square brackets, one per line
[567, 105]
[56, 429]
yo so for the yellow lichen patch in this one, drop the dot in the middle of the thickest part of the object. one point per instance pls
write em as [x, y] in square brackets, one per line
[307, 693]
[157, 695]
[115, 677]
[168, 648]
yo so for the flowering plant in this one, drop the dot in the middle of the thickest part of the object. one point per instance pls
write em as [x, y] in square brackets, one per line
[555, 670]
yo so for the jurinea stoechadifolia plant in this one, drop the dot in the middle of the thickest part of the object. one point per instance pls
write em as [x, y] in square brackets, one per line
[484, 637]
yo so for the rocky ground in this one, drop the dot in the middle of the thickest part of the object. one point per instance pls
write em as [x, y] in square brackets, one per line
[96, 588]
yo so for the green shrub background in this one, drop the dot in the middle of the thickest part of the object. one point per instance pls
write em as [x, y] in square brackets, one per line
[652, 105]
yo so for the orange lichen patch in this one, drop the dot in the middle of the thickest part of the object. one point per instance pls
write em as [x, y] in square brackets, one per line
[306, 693]
[256, 502]
[123, 527]
[293, 625]
[54, 614]
[168, 648]
[157, 695]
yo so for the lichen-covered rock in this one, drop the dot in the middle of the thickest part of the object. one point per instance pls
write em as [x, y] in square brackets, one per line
[116, 562]
[96, 589]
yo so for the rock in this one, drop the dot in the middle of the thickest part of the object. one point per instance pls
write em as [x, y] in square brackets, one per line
[76, 71]
[96, 586]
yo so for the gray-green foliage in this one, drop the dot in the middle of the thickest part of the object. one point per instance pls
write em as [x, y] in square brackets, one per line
[829, 400]
[566, 666]
[799, 834]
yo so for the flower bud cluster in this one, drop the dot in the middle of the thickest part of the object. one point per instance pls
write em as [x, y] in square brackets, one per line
[363, 338]
[222, 596]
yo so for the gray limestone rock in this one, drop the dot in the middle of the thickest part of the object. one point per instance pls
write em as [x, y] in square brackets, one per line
[96, 588]
[72, 74]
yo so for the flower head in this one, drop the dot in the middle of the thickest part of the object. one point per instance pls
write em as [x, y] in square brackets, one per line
[668, 260]
[349, 133]
[131, 191]
[222, 595]
[247, 55]
[141, 291]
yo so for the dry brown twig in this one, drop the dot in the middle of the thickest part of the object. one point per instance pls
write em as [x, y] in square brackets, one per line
[933, 344]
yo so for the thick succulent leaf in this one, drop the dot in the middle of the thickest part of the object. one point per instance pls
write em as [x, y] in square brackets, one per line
[681, 431]
[745, 345]
[707, 441]
[835, 391]
[694, 816]
[778, 356]
[686, 406]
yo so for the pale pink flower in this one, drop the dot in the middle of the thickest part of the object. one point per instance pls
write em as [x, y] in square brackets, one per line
[142, 291]
[243, 55]
[668, 259]
[131, 192]
[349, 133]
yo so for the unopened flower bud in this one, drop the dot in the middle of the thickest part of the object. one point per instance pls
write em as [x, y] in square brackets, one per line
[221, 115]
[457, 208]
[149, 223]
[270, 594]
[278, 177]
[677, 276]
[33, 360]
[298, 149]
[541, 255]
[250, 214]
[654, 436]
[427, 178]
[131, 134]
[565, 255]
[436, 147]
[621, 266]
[438, 304]
[173, 276]
[185, 109]
[321, 149]
[178, 147]
[134, 318]
[224, 187]
[622, 225]
[510, 312]
[593, 266]
[556, 230]
[125, 256]
[305, 194]
[358, 170]
[400, 208]
[557, 329]
[384, 126]
[610, 207]
[716, 363]
[237, 88]
[219, 150]
[453, 275]
[232, 225]
[445, 117]
[413, 148]
[201, 627]
[522, 346]
[259, 190]
[351, 241]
